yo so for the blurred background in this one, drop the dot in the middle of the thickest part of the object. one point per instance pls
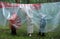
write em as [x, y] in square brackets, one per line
[29, 1]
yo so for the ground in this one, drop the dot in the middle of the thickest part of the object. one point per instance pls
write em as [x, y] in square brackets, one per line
[22, 34]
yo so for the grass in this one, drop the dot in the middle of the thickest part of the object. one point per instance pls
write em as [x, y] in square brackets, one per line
[22, 34]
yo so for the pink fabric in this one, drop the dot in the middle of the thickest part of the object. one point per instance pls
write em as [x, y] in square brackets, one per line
[13, 17]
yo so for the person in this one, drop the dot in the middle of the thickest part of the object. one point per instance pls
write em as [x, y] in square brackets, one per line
[29, 15]
[30, 22]
[42, 25]
[14, 23]
[30, 26]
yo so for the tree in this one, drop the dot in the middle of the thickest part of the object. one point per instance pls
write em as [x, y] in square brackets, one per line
[28, 1]
[17, 1]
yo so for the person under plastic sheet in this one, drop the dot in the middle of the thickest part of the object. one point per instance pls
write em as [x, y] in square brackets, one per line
[42, 25]
[14, 23]
[30, 23]
[29, 15]
[29, 26]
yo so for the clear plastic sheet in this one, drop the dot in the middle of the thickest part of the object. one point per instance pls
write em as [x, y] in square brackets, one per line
[51, 12]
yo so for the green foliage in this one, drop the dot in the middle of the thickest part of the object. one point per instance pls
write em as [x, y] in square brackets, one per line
[31, 1]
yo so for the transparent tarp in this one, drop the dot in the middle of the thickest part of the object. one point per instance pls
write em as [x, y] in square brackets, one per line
[49, 11]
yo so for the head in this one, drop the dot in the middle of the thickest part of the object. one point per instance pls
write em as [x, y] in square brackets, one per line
[13, 17]
[42, 15]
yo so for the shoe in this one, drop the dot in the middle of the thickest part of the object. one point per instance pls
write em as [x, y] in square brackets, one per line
[29, 34]
[43, 34]
[39, 33]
